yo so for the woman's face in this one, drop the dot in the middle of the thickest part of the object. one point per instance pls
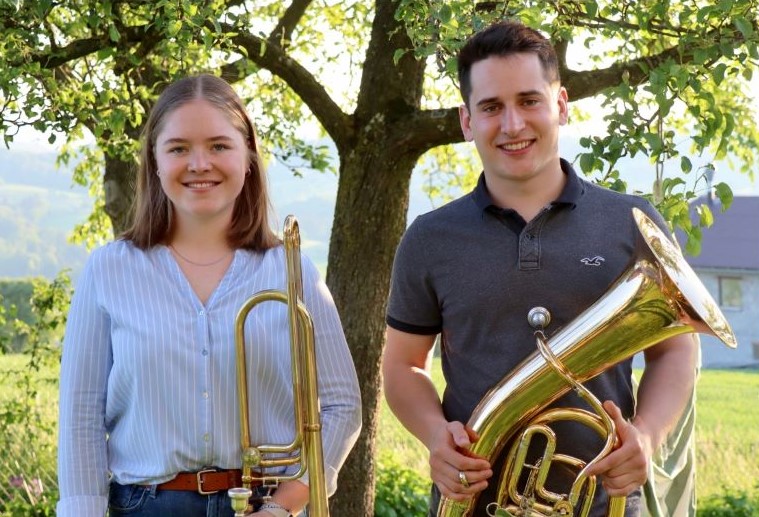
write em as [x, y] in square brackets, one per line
[202, 161]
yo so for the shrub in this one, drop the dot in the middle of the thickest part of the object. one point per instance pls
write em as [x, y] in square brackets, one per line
[400, 491]
[15, 306]
[30, 500]
[732, 503]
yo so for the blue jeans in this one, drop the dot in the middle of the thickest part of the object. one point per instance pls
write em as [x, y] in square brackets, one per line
[148, 501]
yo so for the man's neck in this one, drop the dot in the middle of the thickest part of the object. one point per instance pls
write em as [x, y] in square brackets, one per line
[527, 197]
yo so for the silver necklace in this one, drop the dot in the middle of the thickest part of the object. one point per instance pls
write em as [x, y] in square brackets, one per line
[199, 264]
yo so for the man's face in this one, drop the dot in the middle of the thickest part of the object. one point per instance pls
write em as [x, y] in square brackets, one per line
[513, 118]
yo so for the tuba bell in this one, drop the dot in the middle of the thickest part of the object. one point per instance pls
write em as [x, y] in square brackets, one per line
[306, 448]
[656, 298]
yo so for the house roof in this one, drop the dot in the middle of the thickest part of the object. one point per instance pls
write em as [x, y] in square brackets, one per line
[733, 240]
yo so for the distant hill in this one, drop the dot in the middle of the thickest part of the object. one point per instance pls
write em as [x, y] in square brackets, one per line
[39, 207]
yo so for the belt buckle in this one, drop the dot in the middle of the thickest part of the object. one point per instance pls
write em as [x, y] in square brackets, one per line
[199, 476]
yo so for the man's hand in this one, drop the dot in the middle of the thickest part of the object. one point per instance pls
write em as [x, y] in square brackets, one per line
[625, 468]
[449, 455]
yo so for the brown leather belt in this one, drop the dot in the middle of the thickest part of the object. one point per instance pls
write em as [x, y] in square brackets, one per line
[206, 482]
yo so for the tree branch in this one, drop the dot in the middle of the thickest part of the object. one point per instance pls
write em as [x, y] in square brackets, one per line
[584, 84]
[273, 58]
[282, 33]
[424, 129]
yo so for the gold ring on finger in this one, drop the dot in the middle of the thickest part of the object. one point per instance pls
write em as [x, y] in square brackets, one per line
[463, 480]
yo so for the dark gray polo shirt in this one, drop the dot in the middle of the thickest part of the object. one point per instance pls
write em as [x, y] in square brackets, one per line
[471, 271]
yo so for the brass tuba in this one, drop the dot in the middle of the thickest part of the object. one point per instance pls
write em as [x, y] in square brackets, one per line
[306, 447]
[656, 298]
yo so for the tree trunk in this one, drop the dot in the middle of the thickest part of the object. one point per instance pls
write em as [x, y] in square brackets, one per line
[370, 217]
[362, 248]
[120, 185]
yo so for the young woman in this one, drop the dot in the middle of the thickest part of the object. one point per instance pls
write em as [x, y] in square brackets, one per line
[148, 403]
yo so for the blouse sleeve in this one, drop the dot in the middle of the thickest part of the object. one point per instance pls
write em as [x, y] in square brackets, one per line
[86, 362]
[338, 385]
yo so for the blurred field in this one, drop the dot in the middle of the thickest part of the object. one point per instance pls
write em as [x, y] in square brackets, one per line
[727, 431]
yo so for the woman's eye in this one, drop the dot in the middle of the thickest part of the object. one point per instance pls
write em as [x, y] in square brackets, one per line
[219, 147]
[176, 150]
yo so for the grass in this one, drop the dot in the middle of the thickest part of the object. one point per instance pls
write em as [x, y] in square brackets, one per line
[727, 432]
[28, 437]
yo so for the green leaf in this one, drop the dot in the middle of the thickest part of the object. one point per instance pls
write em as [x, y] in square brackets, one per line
[693, 244]
[587, 161]
[744, 26]
[445, 13]
[685, 164]
[753, 51]
[113, 33]
[705, 216]
[173, 27]
[592, 8]
[725, 194]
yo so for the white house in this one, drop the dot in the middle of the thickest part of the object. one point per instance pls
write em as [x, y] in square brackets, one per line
[728, 266]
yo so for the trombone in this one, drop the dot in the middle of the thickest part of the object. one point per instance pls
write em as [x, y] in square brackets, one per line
[307, 442]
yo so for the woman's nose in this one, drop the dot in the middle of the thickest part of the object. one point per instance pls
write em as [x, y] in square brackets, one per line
[199, 161]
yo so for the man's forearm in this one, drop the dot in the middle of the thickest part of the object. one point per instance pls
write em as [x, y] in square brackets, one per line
[414, 400]
[666, 386]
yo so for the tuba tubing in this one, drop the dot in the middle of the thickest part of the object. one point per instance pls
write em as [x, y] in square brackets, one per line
[656, 298]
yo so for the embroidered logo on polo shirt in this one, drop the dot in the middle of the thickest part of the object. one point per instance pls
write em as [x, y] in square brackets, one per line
[595, 261]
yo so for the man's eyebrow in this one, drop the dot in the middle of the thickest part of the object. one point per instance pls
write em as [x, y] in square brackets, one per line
[496, 100]
[488, 100]
[530, 93]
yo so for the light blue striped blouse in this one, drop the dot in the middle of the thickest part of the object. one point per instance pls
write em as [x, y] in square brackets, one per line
[151, 368]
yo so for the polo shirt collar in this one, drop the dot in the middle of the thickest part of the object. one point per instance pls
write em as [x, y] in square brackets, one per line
[570, 195]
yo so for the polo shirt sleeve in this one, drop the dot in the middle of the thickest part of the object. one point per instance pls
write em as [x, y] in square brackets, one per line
[413, 305]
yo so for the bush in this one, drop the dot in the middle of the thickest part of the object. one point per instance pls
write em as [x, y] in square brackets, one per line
[28, 404]
[732, 503]
[30, 501]
[400, 491]
[15, 304]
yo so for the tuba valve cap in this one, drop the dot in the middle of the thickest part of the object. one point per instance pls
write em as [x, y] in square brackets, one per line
[539, 318]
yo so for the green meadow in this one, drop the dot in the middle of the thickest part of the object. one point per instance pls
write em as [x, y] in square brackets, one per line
[727, 434]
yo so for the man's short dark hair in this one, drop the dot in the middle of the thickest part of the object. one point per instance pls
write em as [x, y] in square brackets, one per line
[504, 39]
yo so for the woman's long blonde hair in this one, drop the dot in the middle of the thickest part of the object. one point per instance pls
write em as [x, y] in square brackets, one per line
[153, 213]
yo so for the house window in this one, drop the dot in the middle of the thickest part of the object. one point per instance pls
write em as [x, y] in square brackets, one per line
[730, 295]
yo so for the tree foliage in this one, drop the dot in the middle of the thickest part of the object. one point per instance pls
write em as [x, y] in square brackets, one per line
[376, 79]
[672, 79]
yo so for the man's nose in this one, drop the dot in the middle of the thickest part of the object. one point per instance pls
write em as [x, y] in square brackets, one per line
[512, 121]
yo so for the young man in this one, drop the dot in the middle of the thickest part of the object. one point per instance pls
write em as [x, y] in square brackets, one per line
[532, 233]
